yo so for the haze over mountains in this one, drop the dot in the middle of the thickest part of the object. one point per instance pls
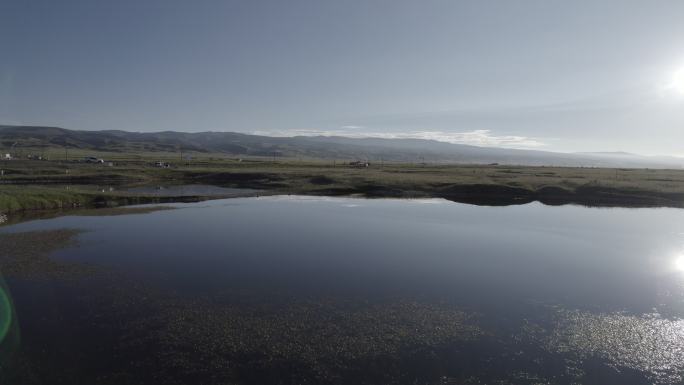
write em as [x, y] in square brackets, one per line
[320, 147]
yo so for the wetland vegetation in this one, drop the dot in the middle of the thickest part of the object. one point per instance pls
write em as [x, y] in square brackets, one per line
[30, 185]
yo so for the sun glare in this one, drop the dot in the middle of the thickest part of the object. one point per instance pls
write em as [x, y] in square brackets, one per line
[677, 82]
[679, 263]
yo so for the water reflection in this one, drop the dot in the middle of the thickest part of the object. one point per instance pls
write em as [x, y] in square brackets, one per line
[290, 283]
[647, 343]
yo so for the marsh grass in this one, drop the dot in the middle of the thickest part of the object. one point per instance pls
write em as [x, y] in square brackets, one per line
[29, 185]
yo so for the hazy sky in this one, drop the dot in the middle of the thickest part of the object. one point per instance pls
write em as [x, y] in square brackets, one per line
[555, 75]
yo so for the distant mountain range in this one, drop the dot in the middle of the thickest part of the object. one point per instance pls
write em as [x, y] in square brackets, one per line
[319, 147]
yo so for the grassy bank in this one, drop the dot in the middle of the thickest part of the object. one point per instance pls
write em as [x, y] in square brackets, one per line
[28, 185]
[15, 199]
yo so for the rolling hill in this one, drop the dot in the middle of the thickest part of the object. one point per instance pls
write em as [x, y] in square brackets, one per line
[320, 147]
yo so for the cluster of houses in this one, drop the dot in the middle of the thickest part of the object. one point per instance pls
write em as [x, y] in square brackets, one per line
[8, 156]
[160, 164]
[87, 159]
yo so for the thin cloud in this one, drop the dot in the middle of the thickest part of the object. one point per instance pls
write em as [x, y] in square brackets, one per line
[482, 138]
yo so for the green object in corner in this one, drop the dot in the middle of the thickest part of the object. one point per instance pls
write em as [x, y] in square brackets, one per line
[5, 314]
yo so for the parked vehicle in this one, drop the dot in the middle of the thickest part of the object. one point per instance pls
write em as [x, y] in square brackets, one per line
[92, 159]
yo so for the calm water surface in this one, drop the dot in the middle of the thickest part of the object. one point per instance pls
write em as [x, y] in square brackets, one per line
[337, 290]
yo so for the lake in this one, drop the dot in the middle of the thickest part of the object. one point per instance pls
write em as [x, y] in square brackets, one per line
[292, 290]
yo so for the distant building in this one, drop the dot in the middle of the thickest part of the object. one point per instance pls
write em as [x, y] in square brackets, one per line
[7, 157]
[359, 164]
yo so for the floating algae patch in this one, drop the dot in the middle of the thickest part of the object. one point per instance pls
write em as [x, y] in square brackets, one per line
[306, 340]
[321, 340]
[148, 334]
[312, 330]
[646, 343]
[27, 254]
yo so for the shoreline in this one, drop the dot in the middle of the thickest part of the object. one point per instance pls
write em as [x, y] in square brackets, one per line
[479, 195]
[45, 185]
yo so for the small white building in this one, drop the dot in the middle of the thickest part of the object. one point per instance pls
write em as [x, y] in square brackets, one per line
[7, 157]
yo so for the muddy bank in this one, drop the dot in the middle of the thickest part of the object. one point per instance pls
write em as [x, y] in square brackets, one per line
[592, 196]
[500, 195]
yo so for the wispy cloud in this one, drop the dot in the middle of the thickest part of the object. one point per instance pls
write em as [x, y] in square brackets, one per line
[483, 138]
[352, 127]
[476, 138]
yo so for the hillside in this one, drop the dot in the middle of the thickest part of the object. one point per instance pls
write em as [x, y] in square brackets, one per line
[15, 138]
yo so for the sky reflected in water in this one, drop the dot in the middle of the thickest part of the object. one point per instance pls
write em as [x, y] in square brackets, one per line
[597, 294]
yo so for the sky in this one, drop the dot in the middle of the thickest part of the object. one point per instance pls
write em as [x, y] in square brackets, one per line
[550, 75]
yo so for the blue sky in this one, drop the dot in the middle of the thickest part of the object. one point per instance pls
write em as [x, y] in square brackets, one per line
[552, 75]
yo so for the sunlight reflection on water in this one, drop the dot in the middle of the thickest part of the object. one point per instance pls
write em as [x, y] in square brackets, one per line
[648, 343]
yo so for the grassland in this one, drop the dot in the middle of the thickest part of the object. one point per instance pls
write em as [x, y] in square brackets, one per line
[64, 182]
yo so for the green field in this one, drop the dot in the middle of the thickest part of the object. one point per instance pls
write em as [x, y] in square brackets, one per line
[65, 181]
